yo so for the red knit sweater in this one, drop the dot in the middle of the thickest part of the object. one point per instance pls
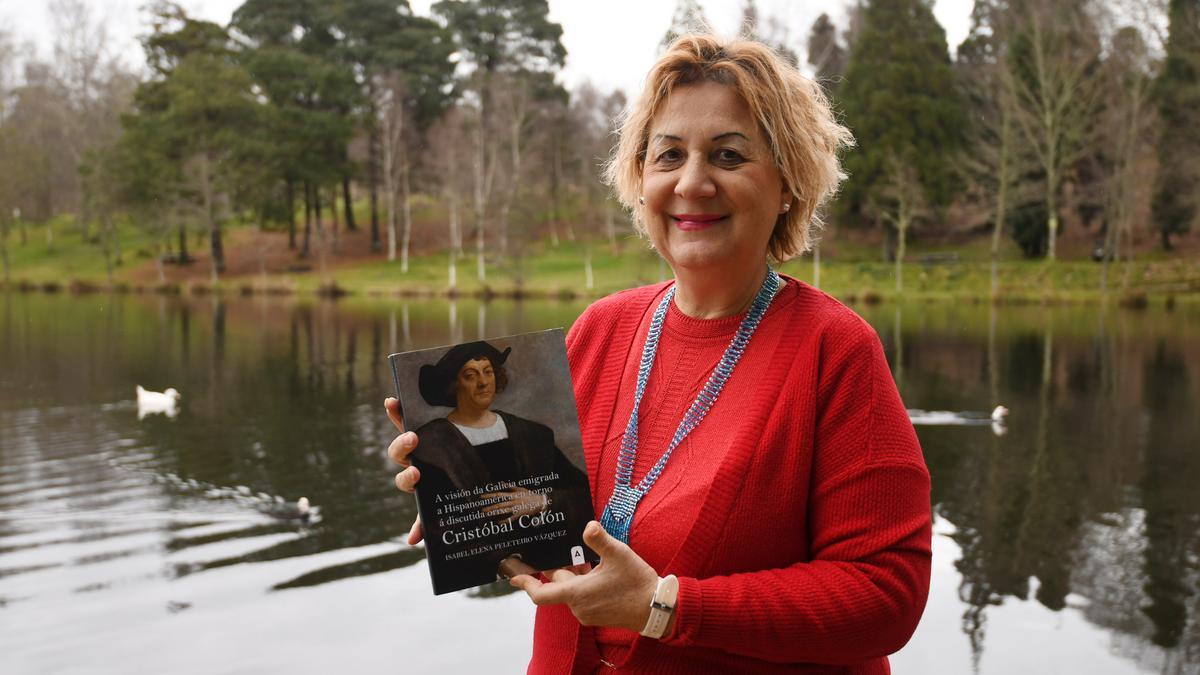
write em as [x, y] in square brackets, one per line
[797, 514]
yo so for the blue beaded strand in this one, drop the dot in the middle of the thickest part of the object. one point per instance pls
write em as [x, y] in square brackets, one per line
[618, 514]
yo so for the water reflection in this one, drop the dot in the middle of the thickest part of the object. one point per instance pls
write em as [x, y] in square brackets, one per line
[1090, 500]
[1086, 507]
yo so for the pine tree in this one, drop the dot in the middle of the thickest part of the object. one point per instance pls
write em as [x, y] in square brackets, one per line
[825, 53]
[903, 105]
[1177, 191]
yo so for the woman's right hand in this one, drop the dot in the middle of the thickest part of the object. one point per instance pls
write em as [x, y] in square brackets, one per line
[399, 450]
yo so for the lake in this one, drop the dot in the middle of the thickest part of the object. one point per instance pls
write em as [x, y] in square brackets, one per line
[1066, 541]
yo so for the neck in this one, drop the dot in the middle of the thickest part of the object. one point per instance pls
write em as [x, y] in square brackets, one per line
[471, 417]
[704, 295]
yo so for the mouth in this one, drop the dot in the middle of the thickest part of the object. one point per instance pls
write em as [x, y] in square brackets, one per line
[689, 222]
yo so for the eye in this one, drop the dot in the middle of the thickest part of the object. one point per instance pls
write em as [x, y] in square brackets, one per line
[728, 156]
[668, 156]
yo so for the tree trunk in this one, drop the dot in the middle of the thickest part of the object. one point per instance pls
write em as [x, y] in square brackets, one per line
[4, 250]
[348, 204]
[390, 195]
[214, 226]
[405, 211]
[610, 227]
[817, 266]
[455, 241]
[1051, 167]
[306, 247]
[291, 209]
[898, 342]
[588, 278]
[480, 202]
[106, 239]
[333, 217]
[373, 181]
[321, 242]
[555, 189]
[183, 253]
[901, 232]
[1001, 201]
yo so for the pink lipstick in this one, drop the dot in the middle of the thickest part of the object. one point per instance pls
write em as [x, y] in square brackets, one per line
[689, 222]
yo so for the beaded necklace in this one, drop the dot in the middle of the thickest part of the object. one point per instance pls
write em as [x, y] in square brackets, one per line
[618, 514]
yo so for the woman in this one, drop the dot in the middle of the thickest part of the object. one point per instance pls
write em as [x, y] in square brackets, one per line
[788, 529]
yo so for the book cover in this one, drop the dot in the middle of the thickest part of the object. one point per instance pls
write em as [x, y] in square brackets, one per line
[500, 456]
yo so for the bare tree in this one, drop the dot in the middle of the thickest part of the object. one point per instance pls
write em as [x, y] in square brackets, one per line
[1052, 52]
[1127, 131]
[396, 136]
[516, 112]
[83, 70]
[8, 58]
[451, 155]
[998, 155]
[900, 202]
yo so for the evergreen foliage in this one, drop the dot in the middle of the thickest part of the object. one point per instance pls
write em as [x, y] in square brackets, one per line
[1177, 193]
[901, 101]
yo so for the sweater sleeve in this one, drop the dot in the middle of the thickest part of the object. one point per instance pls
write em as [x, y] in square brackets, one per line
[861, 593]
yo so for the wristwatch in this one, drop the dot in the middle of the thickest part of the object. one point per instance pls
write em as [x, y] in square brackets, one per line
[662, 606]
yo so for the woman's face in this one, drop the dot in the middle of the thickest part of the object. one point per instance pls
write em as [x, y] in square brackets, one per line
[476, 386]
[712, 190]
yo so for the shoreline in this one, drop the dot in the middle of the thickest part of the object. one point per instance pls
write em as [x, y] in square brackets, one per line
[854, 282]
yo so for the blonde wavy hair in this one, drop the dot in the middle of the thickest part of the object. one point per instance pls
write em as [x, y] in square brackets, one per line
[793, 111]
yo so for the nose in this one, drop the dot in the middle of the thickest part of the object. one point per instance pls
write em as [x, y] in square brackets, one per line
[694, 181]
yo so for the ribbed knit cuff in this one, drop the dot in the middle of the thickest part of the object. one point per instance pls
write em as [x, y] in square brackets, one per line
[689, 608]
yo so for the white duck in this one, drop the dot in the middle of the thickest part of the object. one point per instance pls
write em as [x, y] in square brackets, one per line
[947, 418]
[301, 511]
[157, 402]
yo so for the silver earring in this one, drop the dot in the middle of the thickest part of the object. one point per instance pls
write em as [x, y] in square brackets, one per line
[642, 201]
[787, 207]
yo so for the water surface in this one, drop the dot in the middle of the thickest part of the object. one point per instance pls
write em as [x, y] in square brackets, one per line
[1071, 543]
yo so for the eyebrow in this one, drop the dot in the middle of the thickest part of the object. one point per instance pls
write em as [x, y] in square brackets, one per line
[718, 137]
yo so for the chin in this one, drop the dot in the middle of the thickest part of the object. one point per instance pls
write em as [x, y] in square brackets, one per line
[697, 256]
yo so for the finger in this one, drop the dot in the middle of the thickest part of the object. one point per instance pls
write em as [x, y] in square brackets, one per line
[602, 542]
[401, 447]
[392, 406]
[407, 479]
[545, 594]
[416, 533]
[513, 567]
[525, 582]
[562, 574]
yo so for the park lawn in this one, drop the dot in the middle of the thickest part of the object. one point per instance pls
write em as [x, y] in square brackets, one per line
[540, 270]
[69, 257]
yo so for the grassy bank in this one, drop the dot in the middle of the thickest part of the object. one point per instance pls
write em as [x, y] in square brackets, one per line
[262, 263]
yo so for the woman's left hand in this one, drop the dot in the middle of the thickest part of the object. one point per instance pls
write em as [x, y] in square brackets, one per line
[617, 592]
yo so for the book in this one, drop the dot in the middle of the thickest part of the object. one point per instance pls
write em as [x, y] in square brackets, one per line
[500, 456]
